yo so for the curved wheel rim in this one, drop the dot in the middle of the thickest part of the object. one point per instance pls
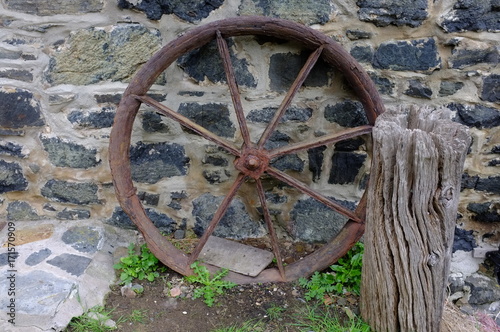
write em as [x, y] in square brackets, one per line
[120, 138]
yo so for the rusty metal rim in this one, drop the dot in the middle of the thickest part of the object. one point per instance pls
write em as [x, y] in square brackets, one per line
[120, 138]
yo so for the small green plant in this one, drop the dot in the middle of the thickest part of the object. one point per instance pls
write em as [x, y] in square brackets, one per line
[274, 312]
[248, 326]
[137, 315]
[211, 286]
[314, 320]
[142, 266]
[345, 276]
[95, 319]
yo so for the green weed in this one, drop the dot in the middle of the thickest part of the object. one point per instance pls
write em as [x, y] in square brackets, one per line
[345, 276]
[93, 320]
[142, 266]
[210, 287]
[314, 320]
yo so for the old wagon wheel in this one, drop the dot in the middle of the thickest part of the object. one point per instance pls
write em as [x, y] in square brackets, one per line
[252, 160]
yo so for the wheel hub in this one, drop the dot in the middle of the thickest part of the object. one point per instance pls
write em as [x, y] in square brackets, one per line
[253, 162]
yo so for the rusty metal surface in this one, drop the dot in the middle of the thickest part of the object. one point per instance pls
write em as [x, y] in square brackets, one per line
[251, 160]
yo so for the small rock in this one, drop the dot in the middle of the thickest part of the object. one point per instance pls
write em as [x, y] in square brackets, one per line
[131, 290]
[176, 291]
[102, 319]
[179, 234]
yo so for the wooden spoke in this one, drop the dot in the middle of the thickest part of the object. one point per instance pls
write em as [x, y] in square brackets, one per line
[270, 227]
[301, 77]
[233, 87]
[217, 217]
[332, 138]
[185, 122]
[314, 194]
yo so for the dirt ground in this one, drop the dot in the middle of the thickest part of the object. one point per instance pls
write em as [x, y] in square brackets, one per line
[276, 305]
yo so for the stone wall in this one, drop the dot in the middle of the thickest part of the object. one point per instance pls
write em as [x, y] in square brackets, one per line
[64, 65]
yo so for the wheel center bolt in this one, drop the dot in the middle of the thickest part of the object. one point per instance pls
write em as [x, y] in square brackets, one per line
[252, 162]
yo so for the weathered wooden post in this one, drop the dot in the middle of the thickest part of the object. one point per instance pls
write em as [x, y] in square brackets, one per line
[412, 204]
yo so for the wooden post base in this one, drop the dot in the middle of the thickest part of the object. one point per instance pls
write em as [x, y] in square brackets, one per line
[412, 204]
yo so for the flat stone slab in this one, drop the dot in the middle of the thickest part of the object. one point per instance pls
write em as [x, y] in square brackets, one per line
[235, 256]
[59, 269]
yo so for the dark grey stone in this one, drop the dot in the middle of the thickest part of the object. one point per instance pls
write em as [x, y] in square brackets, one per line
[11, 149]
[345, 167]
[205, 62]
[397, 12]
[276, 140]
[17, 74]
[484, 212]
[472, 15]
[418, 89]
[464, 240]
[151, 123]
[358, 34]
[179, 234]
[20, 210]
[491, 88]
[413, 55]
[383, 84]
[291, 162]
[82, 238]
[149, 198]
[215, 160]
[19, 108]
[93, 120]
[176, 198]
[313, 221]
[38, 293]
[362, 53]
[152, 162]
[81, 193]
[73, 264]
[108, 98]
[213, 117]
[496, 149]
[11, 177]
[315, 157]
[4, 259]
[463, 57]
[293, 113]
[468, 182]
[348, 113]
[483, 290]
[38, 257]
[69, 154]
[478, 116]
[490, 184]
[494, 162]
[56, 7]
[73, 214]
[191, 11]
[275, 198]
[215, 176]
[164, 223]
[305, 12]
[191, 93]
[448, 88]
[235, 224]
[352, 144]
[284, 68]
